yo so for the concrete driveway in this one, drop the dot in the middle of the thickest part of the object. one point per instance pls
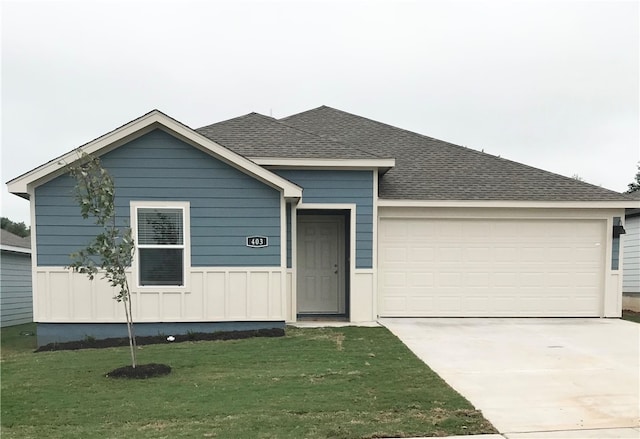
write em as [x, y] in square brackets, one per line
[537, 375]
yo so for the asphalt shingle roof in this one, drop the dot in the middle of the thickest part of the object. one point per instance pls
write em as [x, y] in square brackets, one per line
[255, 135]
[431, 169]
[10, 239]
[426, 168]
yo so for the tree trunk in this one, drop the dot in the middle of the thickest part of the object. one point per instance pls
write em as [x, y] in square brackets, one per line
[132, 330]
[132, 342]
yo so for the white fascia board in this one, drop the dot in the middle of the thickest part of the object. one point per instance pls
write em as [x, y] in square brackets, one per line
[142, 125]
[289, 189]
[97, 147]
[14, 249]
[326, 206]
[511, 204]
[291, 163]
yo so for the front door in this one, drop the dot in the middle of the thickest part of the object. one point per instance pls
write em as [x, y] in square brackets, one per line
[321, 264]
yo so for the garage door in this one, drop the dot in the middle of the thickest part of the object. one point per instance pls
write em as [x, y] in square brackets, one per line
[458, 267]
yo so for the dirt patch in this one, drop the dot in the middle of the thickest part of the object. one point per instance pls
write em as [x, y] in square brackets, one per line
[141, 371]
[161, 339]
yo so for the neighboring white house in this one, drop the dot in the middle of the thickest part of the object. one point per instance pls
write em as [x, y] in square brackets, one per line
[16, 303]
[631, 261]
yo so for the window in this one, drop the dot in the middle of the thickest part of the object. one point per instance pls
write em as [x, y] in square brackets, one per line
[615, 249]
[160, 238]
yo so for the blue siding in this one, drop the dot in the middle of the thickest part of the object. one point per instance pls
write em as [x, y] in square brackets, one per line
[226, 204]
[16, 300]
[342, 187]
[631, 251]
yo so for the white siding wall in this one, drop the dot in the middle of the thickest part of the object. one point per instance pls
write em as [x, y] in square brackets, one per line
[363, 299]
[215, 294]
[631, 256]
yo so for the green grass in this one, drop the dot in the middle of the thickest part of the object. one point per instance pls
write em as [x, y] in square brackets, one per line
[313, 383]
[17, 339]
[631, 316]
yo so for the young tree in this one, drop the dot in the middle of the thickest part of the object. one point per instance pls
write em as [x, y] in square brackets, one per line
[635, 185]
[111, 251]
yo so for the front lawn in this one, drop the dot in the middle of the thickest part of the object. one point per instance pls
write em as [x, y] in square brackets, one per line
[632, 316]
[313, 383]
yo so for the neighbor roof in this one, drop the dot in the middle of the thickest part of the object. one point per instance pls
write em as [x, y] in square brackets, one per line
[13, 242]
[431, 169]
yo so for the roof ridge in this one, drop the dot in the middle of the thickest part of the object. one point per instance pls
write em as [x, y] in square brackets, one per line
[297, 129]
[255, 113]
[230, 119]
[340, 142]
[309, 111]
[465, 148]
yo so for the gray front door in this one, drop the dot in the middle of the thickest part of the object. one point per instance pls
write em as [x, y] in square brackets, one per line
[320, 267]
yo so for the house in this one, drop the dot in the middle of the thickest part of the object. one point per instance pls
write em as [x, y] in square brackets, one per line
[16, 306]
[631, 260]
[322, 214]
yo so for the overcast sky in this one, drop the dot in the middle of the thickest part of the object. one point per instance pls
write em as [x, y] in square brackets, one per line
[550, 84]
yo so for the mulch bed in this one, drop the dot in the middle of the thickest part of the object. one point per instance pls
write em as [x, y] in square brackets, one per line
[141, 371]
[158, 339]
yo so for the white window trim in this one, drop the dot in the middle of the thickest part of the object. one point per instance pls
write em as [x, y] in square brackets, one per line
[185, 207]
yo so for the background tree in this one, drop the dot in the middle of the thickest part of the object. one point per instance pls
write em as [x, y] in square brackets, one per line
[19, 229]
[635, 185]
[111, 251]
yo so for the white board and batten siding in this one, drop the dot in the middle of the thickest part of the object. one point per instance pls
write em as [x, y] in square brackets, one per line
[484, 264]
[631, 256]
[216, 294]
[226, 280]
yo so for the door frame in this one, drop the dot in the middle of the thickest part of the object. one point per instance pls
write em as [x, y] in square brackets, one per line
[348, 212]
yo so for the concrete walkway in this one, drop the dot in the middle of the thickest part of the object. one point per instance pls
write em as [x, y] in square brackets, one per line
[537, 378]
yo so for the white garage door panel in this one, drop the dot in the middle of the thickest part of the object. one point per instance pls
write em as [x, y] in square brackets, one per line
[455, 267]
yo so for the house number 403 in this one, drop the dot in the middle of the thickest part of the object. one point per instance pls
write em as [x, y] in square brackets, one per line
[257, 241]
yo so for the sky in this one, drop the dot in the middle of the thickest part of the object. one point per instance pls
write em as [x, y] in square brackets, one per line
[552, 84]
